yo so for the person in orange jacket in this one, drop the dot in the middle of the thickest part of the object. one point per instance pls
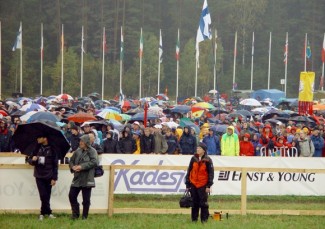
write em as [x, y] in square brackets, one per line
[246, 147]
[198, 180]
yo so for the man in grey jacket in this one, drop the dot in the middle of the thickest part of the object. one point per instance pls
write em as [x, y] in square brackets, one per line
[82, 165]
[306, 145]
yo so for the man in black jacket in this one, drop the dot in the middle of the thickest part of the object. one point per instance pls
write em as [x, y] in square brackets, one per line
[75, 138]
[110, 145]
[45, 162]
[147, 142]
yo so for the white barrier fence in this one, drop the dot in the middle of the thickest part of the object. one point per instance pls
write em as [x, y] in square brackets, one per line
[18, 189]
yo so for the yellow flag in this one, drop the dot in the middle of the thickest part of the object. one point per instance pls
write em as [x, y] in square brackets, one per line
[306, 86]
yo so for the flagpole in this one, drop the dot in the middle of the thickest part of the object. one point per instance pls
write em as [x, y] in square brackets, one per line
[252, 64]
[82, 61]
[158, 86]
[121, 59]
[235, 55]
[177, 66]
[286, 66]
[42, 51]
[21, 60]
[0, 64]
[62, 51]
[140, 74]
[215, 61]
[103, 65]
[323, 60]
[269, 70]
[305, 54]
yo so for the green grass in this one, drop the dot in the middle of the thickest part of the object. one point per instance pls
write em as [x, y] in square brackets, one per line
[224, 202]
[177, 221]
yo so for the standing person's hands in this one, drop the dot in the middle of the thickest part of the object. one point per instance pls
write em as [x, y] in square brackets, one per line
[207, 190]
[34, 158]
[76, 168]
[53, 182]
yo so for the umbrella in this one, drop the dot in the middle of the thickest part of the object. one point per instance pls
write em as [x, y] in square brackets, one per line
[64, 97]
[114, 116]
[81, 117]
[304, 119]
[105, 111]
[18, 113]
[244, 113]
[187, 122]
[42, 115]
[170, 124]
[250, 102]
[183, 109]
[26, 116]
[213, 91]
[12, 104]
[204, 105]
[32, 107]
[3, 113]
[125, 117]
[134, 111]
[162, 97]
[140, 117]
[222, 128]
[25, 138]
[22, 99]
[272, 121]
[156, 110]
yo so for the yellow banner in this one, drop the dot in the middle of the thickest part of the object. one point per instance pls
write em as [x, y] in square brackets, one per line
[306, 86]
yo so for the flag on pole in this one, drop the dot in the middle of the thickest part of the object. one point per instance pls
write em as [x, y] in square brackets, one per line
[105, 48]
[122, 46]
[42, 43]
[18, 41]
[141, 45]
[160, 48]
[204, 31]
[323, 50]
[177, 47]
[286, 50]
[308, 50]
[82, 40]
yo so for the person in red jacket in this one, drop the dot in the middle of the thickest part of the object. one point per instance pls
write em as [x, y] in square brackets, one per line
[198, 180]
[267, 138]
[246, 147]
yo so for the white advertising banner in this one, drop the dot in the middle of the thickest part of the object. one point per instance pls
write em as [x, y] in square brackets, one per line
[18, 188]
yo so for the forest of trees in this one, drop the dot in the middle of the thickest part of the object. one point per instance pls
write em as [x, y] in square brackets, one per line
[297, 17]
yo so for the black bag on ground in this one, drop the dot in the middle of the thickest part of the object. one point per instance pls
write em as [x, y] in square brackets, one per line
[99, 171]
[186, 201]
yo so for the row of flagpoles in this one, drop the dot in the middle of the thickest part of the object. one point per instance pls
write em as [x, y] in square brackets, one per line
[203, 33]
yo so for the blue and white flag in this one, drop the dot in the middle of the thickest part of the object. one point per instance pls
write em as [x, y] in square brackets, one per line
[17, 44]
[204, 31]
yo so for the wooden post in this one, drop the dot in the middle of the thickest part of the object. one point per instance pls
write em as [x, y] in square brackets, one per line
[111, 190]
[243, 191]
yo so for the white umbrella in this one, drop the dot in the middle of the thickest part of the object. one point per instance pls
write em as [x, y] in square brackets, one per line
[213, 91]
[250, 102]
[26, 116]
[170, 124]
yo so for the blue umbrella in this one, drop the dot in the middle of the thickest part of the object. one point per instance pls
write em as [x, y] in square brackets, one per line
[140, 116]
[183, 109]
[42, 116]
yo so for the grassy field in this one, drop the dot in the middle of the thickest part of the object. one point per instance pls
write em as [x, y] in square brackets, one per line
[176, 221]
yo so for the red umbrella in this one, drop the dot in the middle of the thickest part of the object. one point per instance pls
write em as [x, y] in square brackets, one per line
[4, 113]
[81, 117]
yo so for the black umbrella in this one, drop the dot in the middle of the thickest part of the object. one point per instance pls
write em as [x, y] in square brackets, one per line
[140, 117]
[25, 138]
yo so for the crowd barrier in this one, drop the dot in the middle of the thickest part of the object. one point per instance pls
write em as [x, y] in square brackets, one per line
[164, 174]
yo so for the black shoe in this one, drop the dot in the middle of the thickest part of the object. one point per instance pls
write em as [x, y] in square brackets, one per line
[74, 217]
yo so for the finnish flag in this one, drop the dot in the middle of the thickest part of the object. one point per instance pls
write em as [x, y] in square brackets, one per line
[17, 44]
[204, 31]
